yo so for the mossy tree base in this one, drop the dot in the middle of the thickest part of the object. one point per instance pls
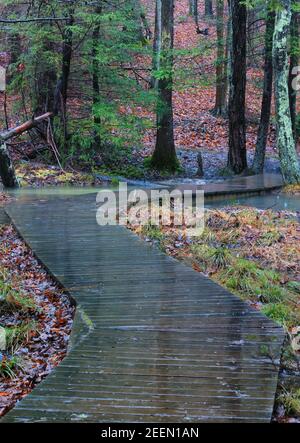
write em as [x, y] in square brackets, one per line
[285, 138]
[7, 171]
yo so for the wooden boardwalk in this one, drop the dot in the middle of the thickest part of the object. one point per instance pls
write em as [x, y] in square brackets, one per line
[153, 340]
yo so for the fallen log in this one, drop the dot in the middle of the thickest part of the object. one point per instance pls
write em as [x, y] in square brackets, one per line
[6, 135]
[7, 171]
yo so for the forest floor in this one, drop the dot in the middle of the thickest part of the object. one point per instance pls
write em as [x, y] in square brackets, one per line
[40, 173]
[256, 255]
[35, 319]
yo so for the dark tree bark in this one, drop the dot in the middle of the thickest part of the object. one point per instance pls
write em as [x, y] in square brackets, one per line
[96, 85]
[61, 91]
[191, 7]
[66, 62]
[221, 69]
[294, 62]
[164, 157]
[7, 171]
[285, 139]
[193, 11]
[262, 135]
[156, 44]
[237, 157]
[228, 48]
[45, 86]
[14, 44]
[209, 8]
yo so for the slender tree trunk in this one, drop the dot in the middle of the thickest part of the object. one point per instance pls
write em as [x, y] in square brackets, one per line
[96, 85]
[251, 35]
[196, 13]
[156, 44]
[66, 61]
[45, 86]
[208, 8]
[191, 7]
[164, 157]
[237, 157]
[262, 135]
[285, 140]
[193, 11]
[294, 62]
[228, 57]
[61, 92]
[221, 74]
[7, 171]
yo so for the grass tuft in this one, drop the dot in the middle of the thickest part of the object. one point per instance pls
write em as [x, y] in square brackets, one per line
[290, 400]
[9, 366]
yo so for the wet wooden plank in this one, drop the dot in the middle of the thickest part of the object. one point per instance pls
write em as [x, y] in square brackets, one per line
[154, 340]
[249, 185]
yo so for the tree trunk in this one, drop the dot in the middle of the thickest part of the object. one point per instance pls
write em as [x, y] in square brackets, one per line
[61, 93]
[285, 140]
[221, 74]
[96, 86]
[191, 7]
[164, 157]
[237, 157]
[156, 44]
[228, 50]
[7, 171]
[294, 62]
[45, 85]
[252, 35]
[208, 8]
[262, 135]
[193, 11]
[14, 44]
[66, 61]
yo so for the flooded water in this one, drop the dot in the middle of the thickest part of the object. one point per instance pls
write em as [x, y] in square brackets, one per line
[276, 202]
[59, 191]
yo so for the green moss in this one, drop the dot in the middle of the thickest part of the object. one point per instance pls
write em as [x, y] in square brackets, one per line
[225, 172]
[174, 167]
[127, 171]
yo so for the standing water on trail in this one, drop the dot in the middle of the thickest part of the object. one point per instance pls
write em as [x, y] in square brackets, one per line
[276, 202]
